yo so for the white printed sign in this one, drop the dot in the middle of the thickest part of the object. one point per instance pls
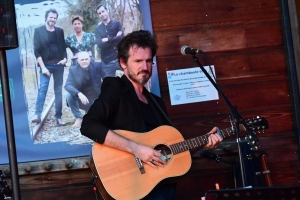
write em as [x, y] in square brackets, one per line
[191, 85]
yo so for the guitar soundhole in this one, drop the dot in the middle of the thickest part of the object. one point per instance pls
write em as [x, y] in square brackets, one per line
[165, 151]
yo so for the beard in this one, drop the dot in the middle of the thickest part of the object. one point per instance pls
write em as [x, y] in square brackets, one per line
[50, 23]
[143, 79]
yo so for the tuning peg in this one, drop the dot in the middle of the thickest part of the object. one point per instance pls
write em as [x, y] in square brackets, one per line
[254, 148]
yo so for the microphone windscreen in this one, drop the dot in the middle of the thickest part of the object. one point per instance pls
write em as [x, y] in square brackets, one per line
[183, 49]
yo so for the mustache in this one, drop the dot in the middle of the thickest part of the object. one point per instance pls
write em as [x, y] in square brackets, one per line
[143, 71]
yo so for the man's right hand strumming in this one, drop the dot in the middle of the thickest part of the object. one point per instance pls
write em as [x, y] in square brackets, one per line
[148, 155]
[145, 153]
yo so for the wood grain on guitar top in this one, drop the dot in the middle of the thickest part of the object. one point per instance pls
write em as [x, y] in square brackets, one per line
[119, 172]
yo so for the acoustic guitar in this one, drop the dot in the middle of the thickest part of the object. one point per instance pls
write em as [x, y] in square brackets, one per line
[120, 175]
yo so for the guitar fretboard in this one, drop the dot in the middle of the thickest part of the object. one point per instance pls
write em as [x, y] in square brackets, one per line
[197, 141]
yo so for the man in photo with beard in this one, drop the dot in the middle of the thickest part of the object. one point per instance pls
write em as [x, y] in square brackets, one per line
[51, 56]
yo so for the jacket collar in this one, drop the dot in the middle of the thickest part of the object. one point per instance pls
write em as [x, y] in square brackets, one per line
[154, 107]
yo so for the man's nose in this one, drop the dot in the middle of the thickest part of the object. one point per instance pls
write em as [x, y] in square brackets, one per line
[144, 65]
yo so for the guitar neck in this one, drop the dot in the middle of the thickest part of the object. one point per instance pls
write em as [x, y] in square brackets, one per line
[198, 141]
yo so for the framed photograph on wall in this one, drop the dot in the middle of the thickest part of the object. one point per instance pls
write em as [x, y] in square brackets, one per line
[46, 139]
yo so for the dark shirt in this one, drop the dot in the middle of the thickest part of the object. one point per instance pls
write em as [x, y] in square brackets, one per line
[148, 115]
[53, 46]
[87, 85]
[109, 49]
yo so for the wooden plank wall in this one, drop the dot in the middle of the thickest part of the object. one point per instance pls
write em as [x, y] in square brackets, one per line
[244, 41]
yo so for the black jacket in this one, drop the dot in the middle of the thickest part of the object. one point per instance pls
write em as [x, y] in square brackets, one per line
[75, 78]
[117, 108]
[41, 45]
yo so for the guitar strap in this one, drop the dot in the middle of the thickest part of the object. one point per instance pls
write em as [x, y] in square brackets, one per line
[161, 110]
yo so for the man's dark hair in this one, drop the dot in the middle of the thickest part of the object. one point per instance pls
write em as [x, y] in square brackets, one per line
[99, 6]
[49, 11]
[141, 38]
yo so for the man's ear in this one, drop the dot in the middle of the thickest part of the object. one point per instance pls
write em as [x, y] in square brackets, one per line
[122, 64]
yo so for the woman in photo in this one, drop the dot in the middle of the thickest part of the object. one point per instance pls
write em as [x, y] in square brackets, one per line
[80, 40]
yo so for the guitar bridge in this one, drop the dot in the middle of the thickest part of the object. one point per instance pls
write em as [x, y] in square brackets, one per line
[140, 165]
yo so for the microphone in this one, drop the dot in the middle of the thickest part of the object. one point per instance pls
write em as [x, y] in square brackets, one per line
[187, 50]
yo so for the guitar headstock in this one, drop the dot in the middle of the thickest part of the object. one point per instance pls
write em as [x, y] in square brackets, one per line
[257, 125]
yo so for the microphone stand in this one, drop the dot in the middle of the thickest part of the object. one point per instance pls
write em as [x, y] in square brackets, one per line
[9, 126]
[236, 117]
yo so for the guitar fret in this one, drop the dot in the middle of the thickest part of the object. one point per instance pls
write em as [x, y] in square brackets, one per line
[199, 141]
[189, 143]
[195, 142]
[192, 144]
[186, 146]
[172, 148]
[180, 147]
[176, 149]
[204, 140]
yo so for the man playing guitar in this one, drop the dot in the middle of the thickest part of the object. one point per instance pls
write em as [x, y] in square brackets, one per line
[124, 103]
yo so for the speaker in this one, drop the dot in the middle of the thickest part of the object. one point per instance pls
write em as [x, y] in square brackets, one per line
[8, 25]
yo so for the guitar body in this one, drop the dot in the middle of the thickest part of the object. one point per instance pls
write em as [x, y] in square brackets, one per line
[118, 170]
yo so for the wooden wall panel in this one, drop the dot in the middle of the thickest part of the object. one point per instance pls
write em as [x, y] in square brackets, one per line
[245, 95]
[220, 38]
[280, 174]
[237, 67]
[244, 41]
[81, 177]
[280, 120]
[191, 13]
